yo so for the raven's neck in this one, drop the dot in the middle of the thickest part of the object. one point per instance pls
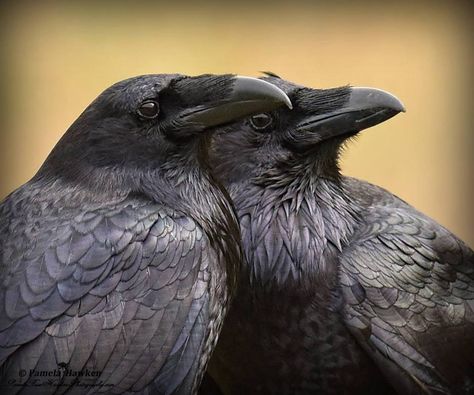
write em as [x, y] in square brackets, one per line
[294, 229]
[189, 186]
[182, 182]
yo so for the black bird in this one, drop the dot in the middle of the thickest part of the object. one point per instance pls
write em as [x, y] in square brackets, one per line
[347, 289]
[119, 258]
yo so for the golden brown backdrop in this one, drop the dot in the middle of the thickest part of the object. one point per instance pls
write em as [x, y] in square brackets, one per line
[58, 56]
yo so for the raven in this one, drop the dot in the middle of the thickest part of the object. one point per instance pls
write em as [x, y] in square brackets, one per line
[346, 288]
[119, 257]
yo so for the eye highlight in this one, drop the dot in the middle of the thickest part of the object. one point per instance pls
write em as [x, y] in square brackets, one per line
[261, 121]
[149, 109]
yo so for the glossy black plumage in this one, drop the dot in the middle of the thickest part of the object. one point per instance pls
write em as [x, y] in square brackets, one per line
[120, 256]
[346, 288]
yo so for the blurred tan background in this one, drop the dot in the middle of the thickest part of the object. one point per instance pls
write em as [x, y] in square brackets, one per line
[57, 57]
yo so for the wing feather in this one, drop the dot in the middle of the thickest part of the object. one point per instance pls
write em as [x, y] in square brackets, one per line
[407, 283]
[122, 289]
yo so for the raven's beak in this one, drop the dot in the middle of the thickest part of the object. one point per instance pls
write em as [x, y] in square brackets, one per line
[248, 96]
[365, 108]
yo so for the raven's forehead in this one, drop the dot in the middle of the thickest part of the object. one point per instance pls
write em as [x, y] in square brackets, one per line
[130, 92]
[309, 99]
[286, 86]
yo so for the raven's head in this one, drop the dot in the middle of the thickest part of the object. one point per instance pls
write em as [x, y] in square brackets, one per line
[153, 122]
[306, 140]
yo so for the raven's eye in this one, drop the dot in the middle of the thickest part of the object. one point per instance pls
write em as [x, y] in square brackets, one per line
[149, 109]
[261, 121]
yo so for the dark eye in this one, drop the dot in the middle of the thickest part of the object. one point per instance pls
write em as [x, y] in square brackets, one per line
[261, 121]
[149, 109]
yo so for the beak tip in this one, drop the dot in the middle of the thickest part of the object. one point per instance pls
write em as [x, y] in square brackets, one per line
[396, 104]
[246, 97]
[263, 89]
[372, 97]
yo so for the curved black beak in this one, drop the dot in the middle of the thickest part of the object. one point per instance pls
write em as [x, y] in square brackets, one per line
[247, 96]
[366, 107]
